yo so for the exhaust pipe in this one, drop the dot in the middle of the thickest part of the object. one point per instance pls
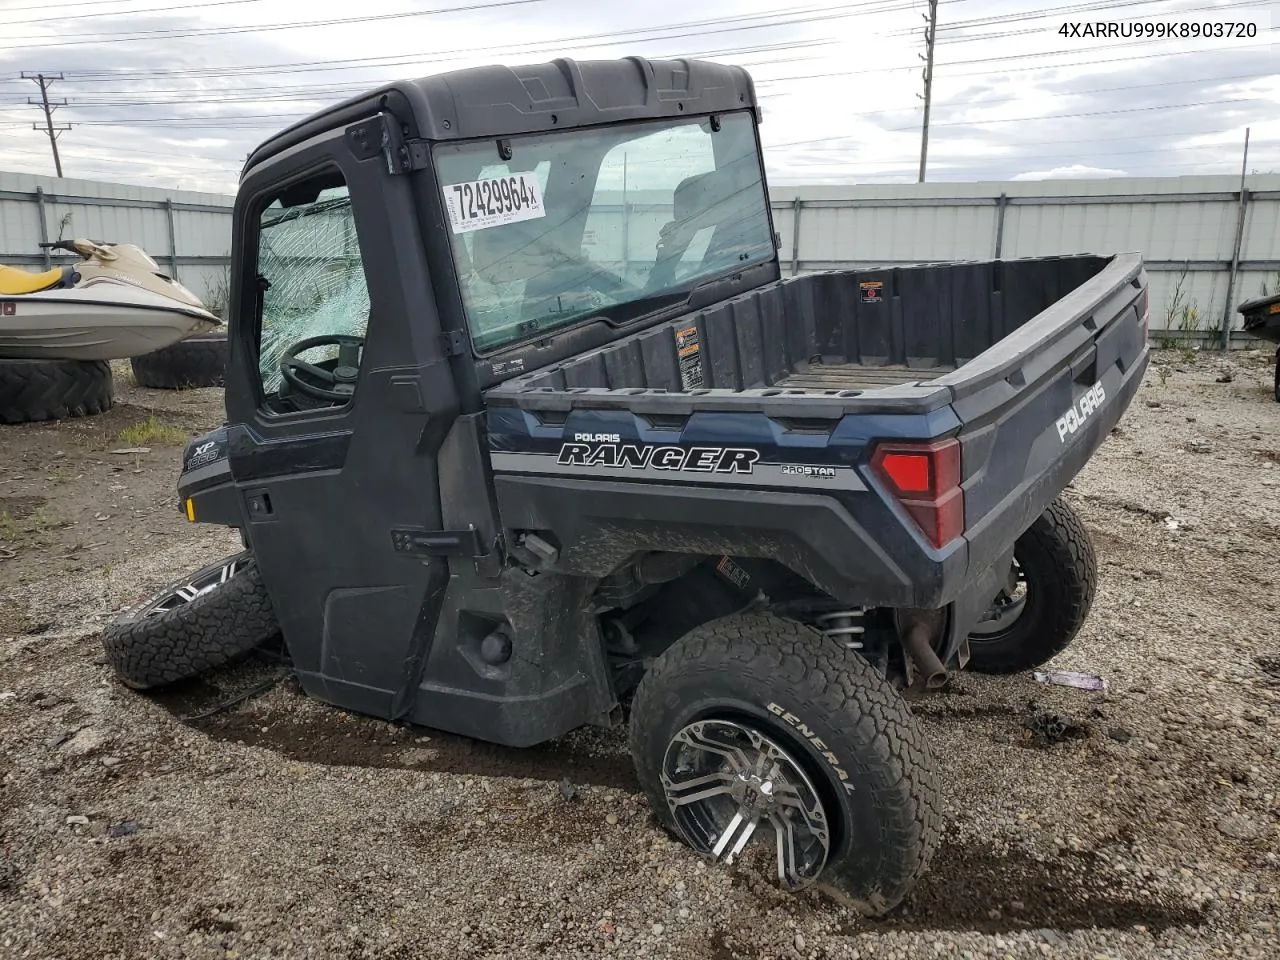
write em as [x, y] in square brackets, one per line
[916, 629]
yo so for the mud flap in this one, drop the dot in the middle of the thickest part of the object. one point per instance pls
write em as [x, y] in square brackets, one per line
[969, 608]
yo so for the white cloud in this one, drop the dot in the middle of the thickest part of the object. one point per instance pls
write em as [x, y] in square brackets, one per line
[838, 80]
[1076, 171]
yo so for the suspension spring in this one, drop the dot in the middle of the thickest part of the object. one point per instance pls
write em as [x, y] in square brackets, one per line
[843, 626]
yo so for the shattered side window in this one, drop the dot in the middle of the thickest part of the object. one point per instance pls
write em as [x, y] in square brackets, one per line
[312, 277]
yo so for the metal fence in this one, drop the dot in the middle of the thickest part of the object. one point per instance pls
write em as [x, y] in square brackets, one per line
[1207, 244]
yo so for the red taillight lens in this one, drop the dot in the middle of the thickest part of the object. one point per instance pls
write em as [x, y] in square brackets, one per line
[907, 472]
[925, 479]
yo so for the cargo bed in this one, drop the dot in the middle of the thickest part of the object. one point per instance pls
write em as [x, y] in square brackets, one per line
[896, 340]
[858, 376]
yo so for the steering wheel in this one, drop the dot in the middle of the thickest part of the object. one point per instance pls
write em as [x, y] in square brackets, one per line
[336, 385]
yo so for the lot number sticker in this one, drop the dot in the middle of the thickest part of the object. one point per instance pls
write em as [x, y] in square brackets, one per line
[489, 203]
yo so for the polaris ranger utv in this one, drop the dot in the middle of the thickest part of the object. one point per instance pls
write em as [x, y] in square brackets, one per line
[524, 426]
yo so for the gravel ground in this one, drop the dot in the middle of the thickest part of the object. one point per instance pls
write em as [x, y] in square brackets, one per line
[131, 826]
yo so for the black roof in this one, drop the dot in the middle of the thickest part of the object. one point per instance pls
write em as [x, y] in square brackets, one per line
[504, 101]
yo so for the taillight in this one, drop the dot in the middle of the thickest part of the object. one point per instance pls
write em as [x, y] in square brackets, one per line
[925, 479]
[1144, 311]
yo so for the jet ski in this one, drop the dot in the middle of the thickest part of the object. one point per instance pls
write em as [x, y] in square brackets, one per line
[1262, 317]
[112, 303]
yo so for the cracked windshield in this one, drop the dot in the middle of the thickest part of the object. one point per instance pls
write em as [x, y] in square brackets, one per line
[615, 222]
[309, 258]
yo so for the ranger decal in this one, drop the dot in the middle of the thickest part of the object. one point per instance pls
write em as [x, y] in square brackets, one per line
[641, 456]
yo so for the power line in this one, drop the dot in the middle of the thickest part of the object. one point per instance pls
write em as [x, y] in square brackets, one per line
[669, 32]
[1075, 155]
[979, 104]
[1107, 5]
[177, 33]
[337, 65]
[1006, 34]
[983, 73]
[1060, 116]
[226, 165]
[47, 10]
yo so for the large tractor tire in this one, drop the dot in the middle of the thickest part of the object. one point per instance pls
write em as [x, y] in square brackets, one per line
[204, 620]
[34, 390]
[1055, 575]
[199, 361]
[756, 728]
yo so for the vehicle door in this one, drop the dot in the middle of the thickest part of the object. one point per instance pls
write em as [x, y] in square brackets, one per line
[339, 395]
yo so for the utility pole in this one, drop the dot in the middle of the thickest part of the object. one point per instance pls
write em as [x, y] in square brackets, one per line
[930, 35]
[1235, 255]
[43, 83]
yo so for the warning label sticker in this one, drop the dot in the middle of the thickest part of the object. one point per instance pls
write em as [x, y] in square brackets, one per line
[689, 356]
[872, 291]
[489, 203]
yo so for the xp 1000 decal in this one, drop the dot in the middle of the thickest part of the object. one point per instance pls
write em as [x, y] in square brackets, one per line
[608, 454]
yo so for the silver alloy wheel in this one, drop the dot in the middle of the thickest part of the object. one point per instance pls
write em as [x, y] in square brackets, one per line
[197, 586]
[723, 780]
[1007, 607]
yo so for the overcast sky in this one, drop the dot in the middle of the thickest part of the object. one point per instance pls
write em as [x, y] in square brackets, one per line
[177, 95]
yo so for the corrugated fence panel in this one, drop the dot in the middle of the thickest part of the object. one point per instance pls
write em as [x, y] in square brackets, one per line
[19, 226]
[201, 234]
[1176, 223]
[1262, 230]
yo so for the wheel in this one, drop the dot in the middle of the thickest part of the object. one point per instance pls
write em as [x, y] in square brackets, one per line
[1050, 592]
[202, 621]
[756, 727]
[32, 390]
[199, 361]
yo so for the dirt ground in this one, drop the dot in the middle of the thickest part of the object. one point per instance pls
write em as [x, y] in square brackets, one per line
[153, 826]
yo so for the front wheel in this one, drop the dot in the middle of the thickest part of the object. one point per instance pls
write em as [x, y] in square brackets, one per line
[756, 729]
[1048, 597]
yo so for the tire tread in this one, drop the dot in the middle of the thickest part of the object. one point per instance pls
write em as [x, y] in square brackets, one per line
[199, 361]
[843, 692]
[191, 639]
[37, 390]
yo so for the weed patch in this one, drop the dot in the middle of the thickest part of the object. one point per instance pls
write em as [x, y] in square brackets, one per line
[152, 432]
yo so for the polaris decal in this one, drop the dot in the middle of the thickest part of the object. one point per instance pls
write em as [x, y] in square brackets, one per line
[1083, 409]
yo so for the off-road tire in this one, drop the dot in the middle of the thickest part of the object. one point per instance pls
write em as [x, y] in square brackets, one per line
[213, 629]
[199, 361]
[886, 828]
[33, 390]
[1057, 557]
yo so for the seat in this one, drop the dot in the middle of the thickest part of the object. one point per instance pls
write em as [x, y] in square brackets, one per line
[14, 281]
[722, 199]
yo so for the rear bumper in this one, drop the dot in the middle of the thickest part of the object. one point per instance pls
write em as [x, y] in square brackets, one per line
[993, 535]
